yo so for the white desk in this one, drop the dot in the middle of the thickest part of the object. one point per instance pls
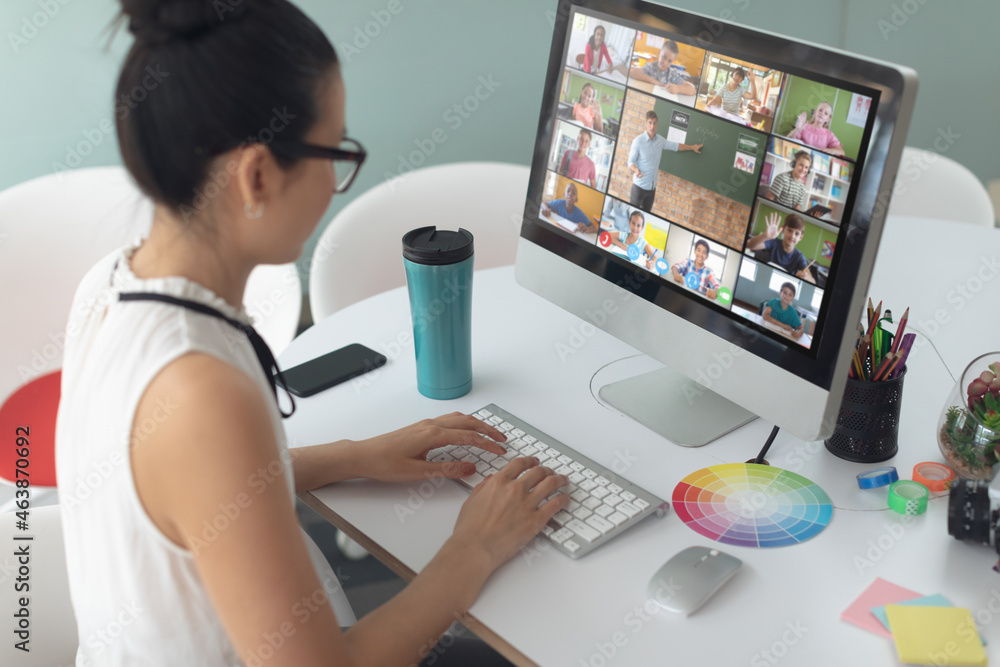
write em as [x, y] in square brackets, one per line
[546, 608]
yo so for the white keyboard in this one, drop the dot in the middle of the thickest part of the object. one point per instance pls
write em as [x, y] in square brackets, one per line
[602, 505]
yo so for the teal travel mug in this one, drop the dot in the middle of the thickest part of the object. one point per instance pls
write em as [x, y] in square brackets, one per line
[438, 267]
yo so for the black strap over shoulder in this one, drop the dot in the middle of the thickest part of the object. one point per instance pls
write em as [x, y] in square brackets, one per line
[260, 347]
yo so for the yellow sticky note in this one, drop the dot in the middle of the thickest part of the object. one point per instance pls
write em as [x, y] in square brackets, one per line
[935, 635]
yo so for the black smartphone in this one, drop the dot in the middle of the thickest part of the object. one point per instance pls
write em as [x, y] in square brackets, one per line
[331, 369]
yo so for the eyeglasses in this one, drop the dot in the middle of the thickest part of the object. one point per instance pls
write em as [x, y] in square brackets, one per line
[347, 158]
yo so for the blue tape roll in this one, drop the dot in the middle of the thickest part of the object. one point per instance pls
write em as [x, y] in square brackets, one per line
[871, 479]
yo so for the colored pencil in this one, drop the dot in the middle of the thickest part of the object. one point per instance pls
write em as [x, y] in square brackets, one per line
[883, 367]
[900, 363]
[899, 330]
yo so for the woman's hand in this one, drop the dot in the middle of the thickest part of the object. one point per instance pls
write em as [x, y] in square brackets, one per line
[401, 456]
[505, 511]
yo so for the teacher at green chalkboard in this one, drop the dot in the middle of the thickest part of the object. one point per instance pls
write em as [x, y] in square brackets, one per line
[644, 162]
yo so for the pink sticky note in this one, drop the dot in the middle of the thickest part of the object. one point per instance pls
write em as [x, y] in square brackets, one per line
[881, 592]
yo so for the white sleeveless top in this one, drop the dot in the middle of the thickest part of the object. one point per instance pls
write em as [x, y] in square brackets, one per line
[137, 596]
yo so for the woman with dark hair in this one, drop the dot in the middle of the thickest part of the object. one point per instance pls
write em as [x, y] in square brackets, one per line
[190, 542]
[596, 57]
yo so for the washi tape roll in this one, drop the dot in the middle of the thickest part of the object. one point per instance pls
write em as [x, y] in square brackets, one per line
[871, 479]
[906, 497]
[935, 476]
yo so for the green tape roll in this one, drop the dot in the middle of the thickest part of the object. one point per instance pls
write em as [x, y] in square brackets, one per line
[906, 497]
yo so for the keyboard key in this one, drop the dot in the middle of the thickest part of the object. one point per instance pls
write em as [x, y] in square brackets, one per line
[494, 420]
[459, 452]
[548, 531]
[604, 511]
[600, 492]
[602, 480]
[499, 463]
[562, 535]
[474, 479]
[583, 530]
[486, 414]
[565, 460]
[571, 546]
[516, 432]
[617, 518]
[628, 509]
[582, 513]
[572, 505]
[591, 503]
[487, 456]
[528, 451]
[580, 495]
[627, 495]
[579, 467]
[528, 439]
[479, 417]
[575, 478]
[540, 445]
[563, 470]
[612, 500]
[640, 503]
[510, 454]
[553, 452]
[470, 458]
[589, 474]
[562, 517]
[483, 467]
[614, 488]
[516, 444]
[505, 426]
[550, 463]
[588, 485]
[542, 456]
[600, 524]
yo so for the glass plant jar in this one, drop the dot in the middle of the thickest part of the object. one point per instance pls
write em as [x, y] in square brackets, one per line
[969, 427]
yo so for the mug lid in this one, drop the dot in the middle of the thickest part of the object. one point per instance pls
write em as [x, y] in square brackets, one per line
[429, 245]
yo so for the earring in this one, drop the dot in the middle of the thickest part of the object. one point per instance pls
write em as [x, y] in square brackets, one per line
[255, 212]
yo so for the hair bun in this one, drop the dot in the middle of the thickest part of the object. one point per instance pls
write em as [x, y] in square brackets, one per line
[160, 21]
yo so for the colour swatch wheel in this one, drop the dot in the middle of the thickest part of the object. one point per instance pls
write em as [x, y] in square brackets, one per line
[752, 505]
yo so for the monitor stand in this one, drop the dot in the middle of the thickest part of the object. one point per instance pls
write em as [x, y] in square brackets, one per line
[676, 407]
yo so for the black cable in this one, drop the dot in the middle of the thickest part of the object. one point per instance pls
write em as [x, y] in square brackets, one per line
[767, 445]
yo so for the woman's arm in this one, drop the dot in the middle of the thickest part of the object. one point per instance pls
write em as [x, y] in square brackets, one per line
[216, 458]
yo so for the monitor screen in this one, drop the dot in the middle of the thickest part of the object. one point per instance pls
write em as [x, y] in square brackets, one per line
[733, 174]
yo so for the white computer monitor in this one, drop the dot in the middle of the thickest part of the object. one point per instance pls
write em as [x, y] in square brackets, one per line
[759, 105]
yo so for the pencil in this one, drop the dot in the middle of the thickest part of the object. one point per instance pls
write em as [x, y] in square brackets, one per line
[883, 367]
[900, 329]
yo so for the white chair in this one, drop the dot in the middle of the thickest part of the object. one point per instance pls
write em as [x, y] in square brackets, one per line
[53, 634]
[930, 185]
[52, 230]
[360, 251]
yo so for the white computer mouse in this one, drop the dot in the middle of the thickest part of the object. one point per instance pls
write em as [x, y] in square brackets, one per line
[685, 582]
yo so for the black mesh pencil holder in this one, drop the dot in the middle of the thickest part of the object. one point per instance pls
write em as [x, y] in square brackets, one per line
[868, 421]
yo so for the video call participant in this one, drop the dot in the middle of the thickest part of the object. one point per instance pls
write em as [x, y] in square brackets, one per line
[816, 131]
[635, 237]
[576, 165]
[660, 73]
[595, 55]
[781, 313]
[788, 187]
[707, 284]
[587, 111]
[567, 208]
[734, 91]
[783, 252]
[644, 162]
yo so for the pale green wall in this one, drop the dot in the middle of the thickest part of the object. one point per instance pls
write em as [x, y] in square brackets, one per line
[57, 87]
